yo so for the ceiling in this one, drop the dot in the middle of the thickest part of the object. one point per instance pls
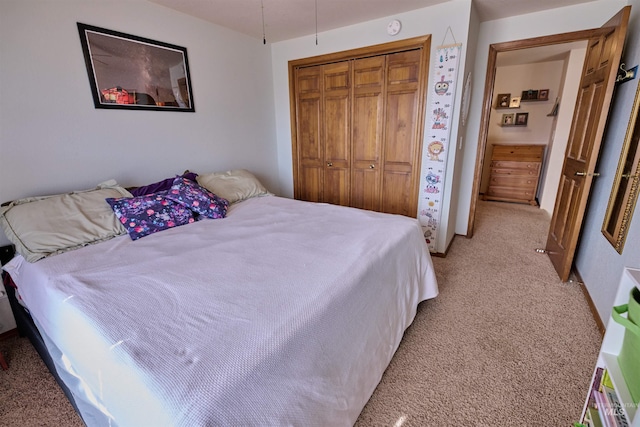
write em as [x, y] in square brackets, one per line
[288, 19]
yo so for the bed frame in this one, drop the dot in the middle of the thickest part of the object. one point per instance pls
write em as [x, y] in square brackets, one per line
[27, 327]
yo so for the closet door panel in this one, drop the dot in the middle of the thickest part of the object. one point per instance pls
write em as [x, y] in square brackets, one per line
[397, 194]
[400, 129]
[401, 137]
[367, 137]
[311, 191]
[337, 132]
[310, 149]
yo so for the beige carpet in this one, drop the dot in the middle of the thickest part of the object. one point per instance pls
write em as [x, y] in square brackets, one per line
[504, 344]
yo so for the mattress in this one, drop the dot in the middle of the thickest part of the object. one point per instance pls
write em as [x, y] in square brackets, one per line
[283, 313]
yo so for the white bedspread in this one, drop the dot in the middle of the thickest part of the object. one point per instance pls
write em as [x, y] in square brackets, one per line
[283, 313]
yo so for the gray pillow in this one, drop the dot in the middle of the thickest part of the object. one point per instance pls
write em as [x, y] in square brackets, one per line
[49, 225]
[234, 185]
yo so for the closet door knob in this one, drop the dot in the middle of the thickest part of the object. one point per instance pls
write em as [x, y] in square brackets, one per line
[329, 164]
[372, 166]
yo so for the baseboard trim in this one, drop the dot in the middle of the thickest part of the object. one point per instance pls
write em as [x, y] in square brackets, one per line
[446, 251]
[592, 306]
[9, 334]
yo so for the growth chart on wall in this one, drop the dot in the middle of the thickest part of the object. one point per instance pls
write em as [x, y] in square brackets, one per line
[436, 142]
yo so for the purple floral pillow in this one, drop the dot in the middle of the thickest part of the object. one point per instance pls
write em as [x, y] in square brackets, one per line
[144, 215]
[198, 199]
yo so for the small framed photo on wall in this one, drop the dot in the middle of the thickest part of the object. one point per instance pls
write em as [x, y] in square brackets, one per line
[522, 119]
[543, 94]
[503, 100]
[530, 95]
[515, 102]
[508, 119]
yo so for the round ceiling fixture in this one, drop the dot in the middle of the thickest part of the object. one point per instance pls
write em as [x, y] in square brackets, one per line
[394, 27]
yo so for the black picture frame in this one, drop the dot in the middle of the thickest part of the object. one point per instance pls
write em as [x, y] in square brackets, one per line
[503, 100]
[529, 95]
[521, 119]
[135, 73]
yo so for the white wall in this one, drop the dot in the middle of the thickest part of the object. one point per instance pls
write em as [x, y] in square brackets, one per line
[432, 20]
[52, 139]
[599, 265]
[562, 126]
[455, 180]
[554, 21]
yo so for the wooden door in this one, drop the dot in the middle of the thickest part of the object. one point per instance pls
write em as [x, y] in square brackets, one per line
[323, 133]
[368, 115]
[337, 132]
[310, 147]
[342, 151]
[400, 173]
[592, 107]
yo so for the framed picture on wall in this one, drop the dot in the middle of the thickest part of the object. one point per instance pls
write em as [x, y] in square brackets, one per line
[529, 95]
[508, 119]
[503, 100]
[522, 119]
[135, 73]
[543, 94]
[515, 102]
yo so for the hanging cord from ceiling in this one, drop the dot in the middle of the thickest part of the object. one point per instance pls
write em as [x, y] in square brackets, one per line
[264, 37]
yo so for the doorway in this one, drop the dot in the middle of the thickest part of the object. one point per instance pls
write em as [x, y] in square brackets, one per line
[535, 91]
[489, 96]
[597, 79]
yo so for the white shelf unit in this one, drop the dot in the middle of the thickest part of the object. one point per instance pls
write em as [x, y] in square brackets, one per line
[611, 345]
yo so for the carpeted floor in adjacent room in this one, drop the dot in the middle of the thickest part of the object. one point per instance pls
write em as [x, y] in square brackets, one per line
[504, 344]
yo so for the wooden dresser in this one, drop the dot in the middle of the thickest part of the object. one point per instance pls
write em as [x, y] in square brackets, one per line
[515, 172]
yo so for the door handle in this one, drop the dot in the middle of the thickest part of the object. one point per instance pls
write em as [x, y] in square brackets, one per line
[629, 176]
[329, 164]
[372, 166]
[587, 174]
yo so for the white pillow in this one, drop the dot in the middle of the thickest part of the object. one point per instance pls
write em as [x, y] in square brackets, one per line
[234, 185]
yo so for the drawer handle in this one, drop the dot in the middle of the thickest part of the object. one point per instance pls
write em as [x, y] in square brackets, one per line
[587, 174]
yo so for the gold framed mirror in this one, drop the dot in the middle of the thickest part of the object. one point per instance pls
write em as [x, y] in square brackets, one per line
[625, 185]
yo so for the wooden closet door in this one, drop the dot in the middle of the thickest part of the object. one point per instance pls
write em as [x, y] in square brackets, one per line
[357, 123]
[310, 146]
[337, 132]
[401, 145]
[368, 121]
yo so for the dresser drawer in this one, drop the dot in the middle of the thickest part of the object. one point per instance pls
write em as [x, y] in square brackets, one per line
[524, 153]
[514, 172]
[511, 193]
[503, 164]
[519, 181]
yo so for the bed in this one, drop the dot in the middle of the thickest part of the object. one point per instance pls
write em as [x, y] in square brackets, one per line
[282, 312]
